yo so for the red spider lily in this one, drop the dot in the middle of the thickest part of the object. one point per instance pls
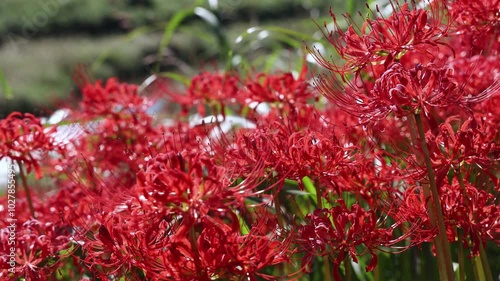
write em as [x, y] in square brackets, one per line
[284, 89]
[184, 181]
[119, 133]
[476, 16]
[403, 92]
[411, 208]
[112, 248]
[382, 40]
[43, 245]
[39, 248]
[207, 90]
[374, 180]
[375, 51]
[178, 202]
[339, 232]
[111, 98]
[119, 144]
[232, 254]
[471, 144]
[219, 90]
[180, 247]
[489, 110]
[475, 212]
[316, 154]
[409, 91]
[212, 89]
[276, 151]
[24, 139]
[475, 74]
[470, 149]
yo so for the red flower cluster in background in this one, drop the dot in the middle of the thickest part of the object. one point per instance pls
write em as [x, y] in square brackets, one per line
[261, 177]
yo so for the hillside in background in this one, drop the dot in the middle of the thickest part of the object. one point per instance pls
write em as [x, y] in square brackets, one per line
[42, 41]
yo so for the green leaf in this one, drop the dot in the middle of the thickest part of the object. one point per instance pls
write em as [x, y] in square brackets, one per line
[289, 32]
[244, 227]
[216, 28]
[309, 186]
[5, 86]
[169, 30]
[176, 77]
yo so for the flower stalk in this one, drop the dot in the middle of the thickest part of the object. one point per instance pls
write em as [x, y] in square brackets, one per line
[484, 261]
[26, 189]
[326, 260]
[461, 259]
[348, 268]
[435, 211]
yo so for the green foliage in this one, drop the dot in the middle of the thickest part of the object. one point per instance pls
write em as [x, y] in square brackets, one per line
[6, 90]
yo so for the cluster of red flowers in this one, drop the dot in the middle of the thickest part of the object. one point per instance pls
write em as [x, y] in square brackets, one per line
[260, 175]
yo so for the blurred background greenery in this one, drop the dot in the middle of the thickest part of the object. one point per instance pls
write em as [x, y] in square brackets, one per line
[41, 41]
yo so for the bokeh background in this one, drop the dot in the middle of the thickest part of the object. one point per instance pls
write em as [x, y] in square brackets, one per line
[42, 41]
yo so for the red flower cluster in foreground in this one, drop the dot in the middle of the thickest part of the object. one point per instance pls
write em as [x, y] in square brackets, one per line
[261, 178]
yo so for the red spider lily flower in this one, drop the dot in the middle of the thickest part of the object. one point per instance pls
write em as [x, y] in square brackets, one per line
[402, 92]
[183, 181]
[212, 89]
[374, 180]
[284, 89]
[411, 208]
[216, 91]
[228, 254]
[316, 154]
[489, 110]
[473, 144]
[476, 15]
[476, 73]
[119, 132]
[119, 144]
[207, 90]
[475, 212]
[111, 98]
[337, 232]
[23, 138]
[39, 249]
[179, 246]
[112, 247]
[276, 151]
[470, 149]
[382, 40]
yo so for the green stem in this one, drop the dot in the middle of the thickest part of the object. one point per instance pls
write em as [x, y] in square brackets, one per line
[277, 207]
[348, 268]
[461, 260]
[461, 183]
[319, 199]
[376, 270]
[26, 189]
[478, 269]
[326, 261]
[435, 211]
[485, 263]
[327, 271]
[413, 135]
